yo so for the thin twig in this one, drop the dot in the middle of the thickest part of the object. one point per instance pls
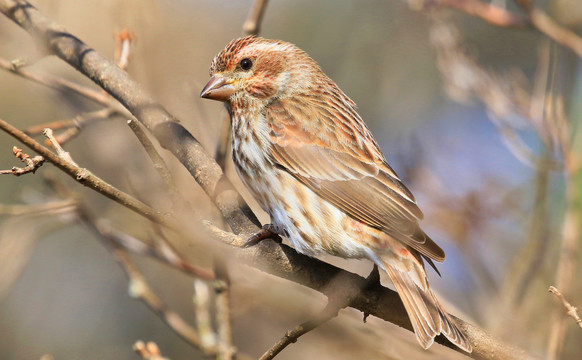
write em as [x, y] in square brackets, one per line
[149, 351]
[51, 207]
[201, 300]
[225, 347]
[563, 36]
[61, 84]
[571, 230]
[252, 25]
[163, 251]
[32, 164]
[292, 335]
[535, 18]
[87, 178]
[571, 310]
[123, 40]
[491, 13]
[78, 121]
[337, 299]
[138, 285]
[64, 155]
[157, 160]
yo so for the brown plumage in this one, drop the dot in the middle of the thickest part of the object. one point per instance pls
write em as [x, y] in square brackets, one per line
[308, 158]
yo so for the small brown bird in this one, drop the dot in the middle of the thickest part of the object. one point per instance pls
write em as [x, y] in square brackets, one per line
[308, 158]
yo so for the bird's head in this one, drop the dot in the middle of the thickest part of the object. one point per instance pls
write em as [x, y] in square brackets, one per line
[256, 69]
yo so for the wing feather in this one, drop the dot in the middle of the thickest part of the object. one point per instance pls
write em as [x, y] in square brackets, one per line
[345, 167]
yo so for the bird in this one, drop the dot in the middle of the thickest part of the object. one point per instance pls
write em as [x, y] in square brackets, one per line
[307, 157]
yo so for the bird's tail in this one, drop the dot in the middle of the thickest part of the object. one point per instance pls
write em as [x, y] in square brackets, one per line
[426, 314]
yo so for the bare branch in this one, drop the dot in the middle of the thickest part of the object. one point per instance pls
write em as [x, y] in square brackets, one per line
[225, 347]
[201, 300]
[571, 310]
[157, 160]
[32, 164]
[139, 287]
[563, 36]
[292, 335]
[252, 25]
[64, 155]
[85, 177]
[163, 251]
[337, 299]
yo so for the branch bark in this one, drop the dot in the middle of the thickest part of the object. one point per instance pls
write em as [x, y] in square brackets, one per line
[274, 258]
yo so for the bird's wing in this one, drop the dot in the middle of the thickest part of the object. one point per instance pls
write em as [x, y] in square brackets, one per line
[331, 151]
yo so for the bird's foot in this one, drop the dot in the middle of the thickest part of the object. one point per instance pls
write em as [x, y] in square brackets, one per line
[267, 232]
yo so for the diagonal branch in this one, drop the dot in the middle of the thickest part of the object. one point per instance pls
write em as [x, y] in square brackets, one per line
[274, 258]
[85, 177]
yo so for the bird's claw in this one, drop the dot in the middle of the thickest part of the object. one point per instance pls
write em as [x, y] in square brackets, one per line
[266, 232]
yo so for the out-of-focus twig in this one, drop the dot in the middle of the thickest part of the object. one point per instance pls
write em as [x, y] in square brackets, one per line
[59, 84]
[72, 127]
[149, 351]
[563, 36]
[570, 225]
[162, 251]
[252, 25]
[123, 40]
[201, 300]
[508, 102]
[138, 285]
[225, 347]
[77, 121]
[51, 207]
[534, 17]
[157, 161]
[491, 13]
[32, 163]
[571, 310]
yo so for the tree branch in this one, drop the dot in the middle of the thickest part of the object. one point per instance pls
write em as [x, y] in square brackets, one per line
[85, 177]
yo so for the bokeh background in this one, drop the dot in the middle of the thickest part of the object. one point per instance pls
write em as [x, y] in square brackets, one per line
[454, 102]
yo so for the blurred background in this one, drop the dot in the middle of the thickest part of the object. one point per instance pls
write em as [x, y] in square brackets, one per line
[477, 119]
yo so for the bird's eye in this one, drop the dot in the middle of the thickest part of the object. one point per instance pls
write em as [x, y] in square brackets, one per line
[246, 64]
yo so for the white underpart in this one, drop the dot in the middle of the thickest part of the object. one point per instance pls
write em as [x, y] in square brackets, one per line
[272, 184]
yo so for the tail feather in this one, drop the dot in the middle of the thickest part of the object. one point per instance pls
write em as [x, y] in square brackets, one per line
[427, 316]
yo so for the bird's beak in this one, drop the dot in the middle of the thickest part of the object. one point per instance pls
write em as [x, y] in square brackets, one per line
[218, 88]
